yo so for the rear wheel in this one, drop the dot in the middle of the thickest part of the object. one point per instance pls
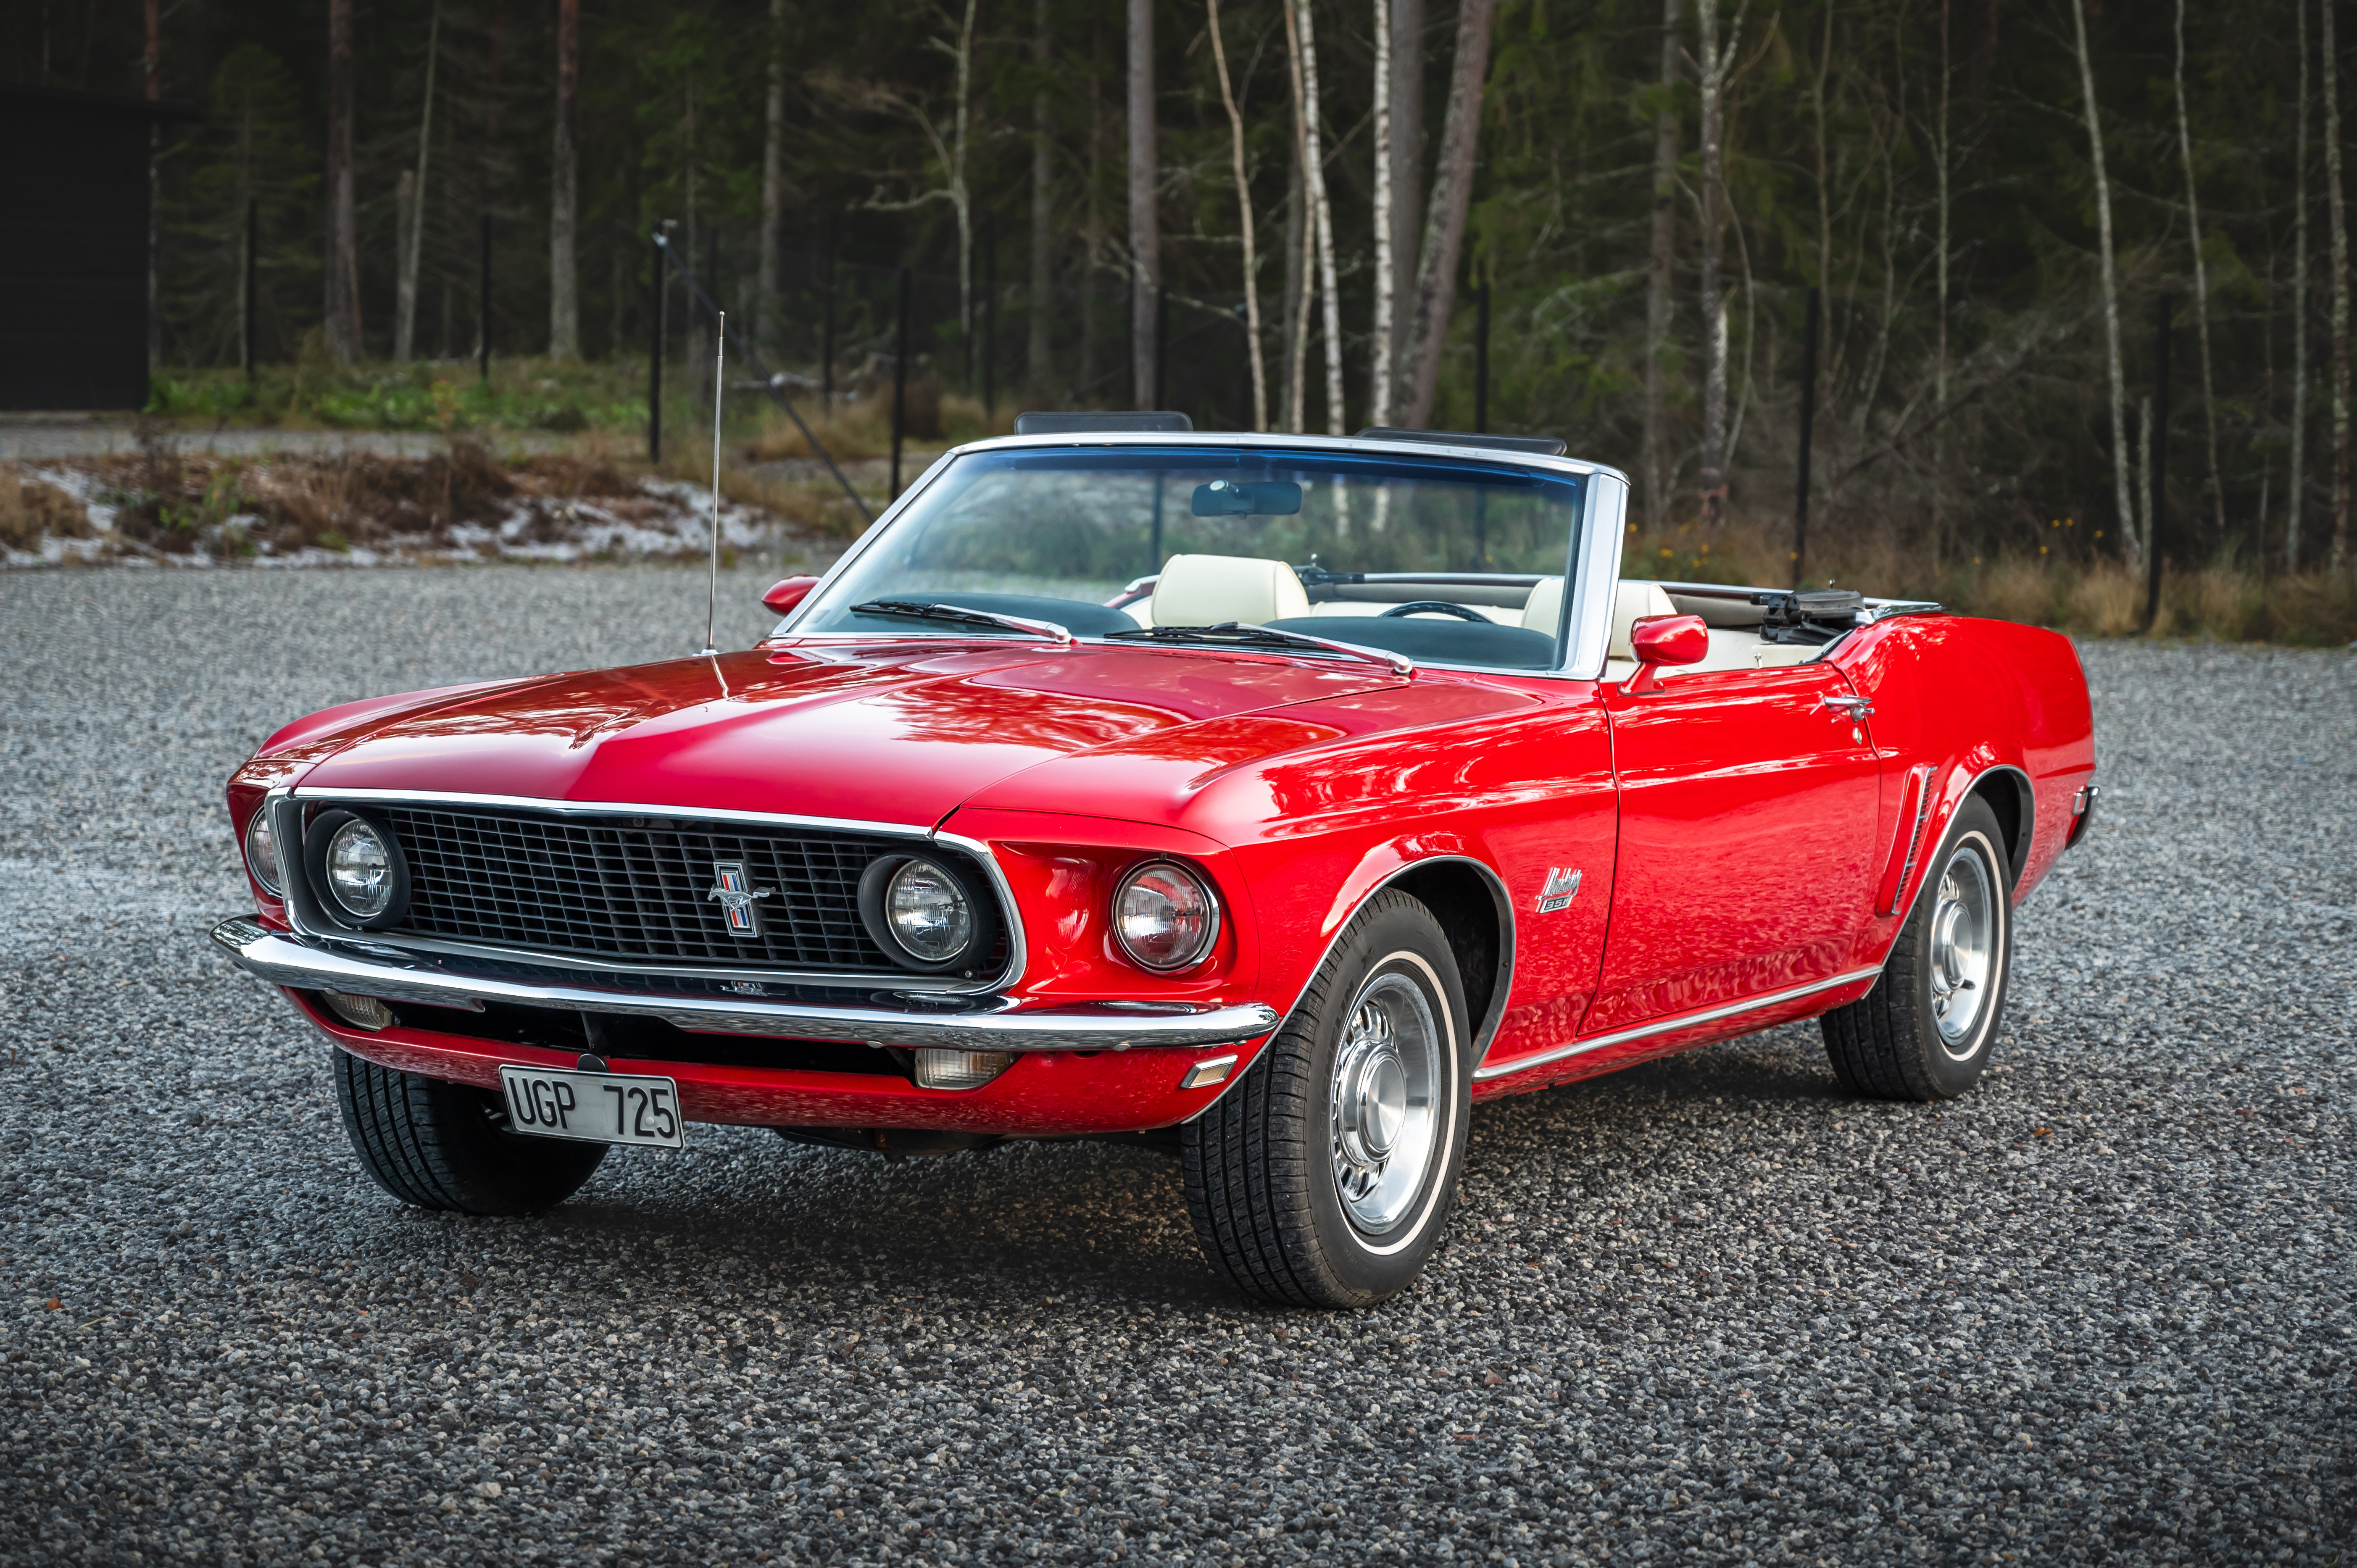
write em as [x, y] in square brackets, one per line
[447, 1146]
[1325, 1177]
[1924, 1032]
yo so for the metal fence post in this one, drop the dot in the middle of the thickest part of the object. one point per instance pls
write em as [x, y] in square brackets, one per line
[1161, 337]
[1808, 432]
[900, 382]
[989, 318]
[826, 332]
[1481, 361]
[483, 302]
[2158, 436]
[253, 235]
[657, 295]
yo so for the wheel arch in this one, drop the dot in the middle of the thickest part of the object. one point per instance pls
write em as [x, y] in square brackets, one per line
[1469, 899]
[2014, 803]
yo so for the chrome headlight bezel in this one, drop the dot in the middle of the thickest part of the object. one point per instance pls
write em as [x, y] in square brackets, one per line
[319, 839]
[1206, 939]
[885, 873]
[270, 877]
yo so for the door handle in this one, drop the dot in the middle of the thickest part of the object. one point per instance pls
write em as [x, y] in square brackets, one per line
[1848, 709]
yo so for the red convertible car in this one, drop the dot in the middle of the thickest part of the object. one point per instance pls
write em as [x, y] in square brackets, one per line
[1271, 799]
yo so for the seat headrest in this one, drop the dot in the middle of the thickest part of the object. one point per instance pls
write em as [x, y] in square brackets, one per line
[1633, 602]
[1206, 590]
[1542, 611]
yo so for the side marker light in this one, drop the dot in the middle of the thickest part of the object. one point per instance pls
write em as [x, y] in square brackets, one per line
[1204, 1074]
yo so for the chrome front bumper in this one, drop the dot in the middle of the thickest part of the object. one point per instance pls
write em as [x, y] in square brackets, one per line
[986, 1023]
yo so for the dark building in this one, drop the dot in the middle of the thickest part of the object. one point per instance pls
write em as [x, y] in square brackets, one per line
[74, 268]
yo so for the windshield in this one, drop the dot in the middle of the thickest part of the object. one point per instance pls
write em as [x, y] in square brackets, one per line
[1444, 561]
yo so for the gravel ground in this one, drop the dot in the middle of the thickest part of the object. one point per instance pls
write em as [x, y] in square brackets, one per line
[1704, 1309]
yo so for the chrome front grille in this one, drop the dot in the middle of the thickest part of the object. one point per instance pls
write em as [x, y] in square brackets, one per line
[637, 889]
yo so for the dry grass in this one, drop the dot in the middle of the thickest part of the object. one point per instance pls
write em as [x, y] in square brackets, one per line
[32, 509]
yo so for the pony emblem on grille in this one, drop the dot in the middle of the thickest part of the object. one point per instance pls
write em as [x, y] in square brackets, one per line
[736, 892]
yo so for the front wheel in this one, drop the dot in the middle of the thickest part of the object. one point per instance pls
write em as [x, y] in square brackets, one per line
[1924, 1031]
[447, 1146]
[1324, 1179]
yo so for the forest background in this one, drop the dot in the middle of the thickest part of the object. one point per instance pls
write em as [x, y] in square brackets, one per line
[1295, 214]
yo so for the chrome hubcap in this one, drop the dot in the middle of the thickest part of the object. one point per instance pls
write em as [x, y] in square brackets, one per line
[1964, 947]
[1385, 1102]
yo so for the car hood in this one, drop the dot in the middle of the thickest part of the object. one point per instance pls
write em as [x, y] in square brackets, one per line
[893, 732]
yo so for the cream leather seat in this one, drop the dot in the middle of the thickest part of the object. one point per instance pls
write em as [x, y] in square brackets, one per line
[1542, 611]
[1207, 590]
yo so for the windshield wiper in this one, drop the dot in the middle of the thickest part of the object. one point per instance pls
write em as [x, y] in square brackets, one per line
[919, 610]
[1247, 635]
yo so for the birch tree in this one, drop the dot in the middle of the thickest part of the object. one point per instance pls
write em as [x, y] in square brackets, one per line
[2201, 280]
[1144, 237]
[1407, 46]
[1043, 205]
[1663, 256]
[773, 175]
[1379, 377]
[2339, 218]
[2299, 312]
[1320, 214]
[1444, 221]
[1244, 213]
[564, 292]
[343, 282]
[2123, 501]
[1712, 72]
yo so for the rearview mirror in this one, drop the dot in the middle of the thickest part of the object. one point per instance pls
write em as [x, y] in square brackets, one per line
[1665, 639]
[1235, 498]
[782, 600]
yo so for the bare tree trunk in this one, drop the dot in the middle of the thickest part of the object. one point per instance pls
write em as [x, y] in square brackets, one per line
[343, 308]
[1145, 233]
[155, 188]
[1939, 362]
[2201, 282]
[1444, 222]
[2299, 317]
[1321, 220]
[1379, 374]
[1042, 208]
[1297, 282]
[2121, 499]
[1660, 264]
[1406, 163]
[2335, 208]
[773, 179]
[413, 194]
[960, 195]
[1244, 212]
[1716, 67]
[1092, 237]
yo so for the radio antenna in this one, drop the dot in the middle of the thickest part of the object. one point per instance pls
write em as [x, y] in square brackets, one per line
[719, 391]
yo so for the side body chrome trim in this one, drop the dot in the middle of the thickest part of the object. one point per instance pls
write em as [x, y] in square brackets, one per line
[990, 1025]
[286, 804]
[1671, 1026]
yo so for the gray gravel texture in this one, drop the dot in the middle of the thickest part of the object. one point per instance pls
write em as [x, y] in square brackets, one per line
[1703, 1310]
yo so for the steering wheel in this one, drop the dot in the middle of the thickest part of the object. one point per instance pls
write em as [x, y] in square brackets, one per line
[1434, 607]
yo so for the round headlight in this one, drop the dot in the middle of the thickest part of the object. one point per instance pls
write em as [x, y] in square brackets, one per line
[1164, 917]
[261, 851]
[359, 871]
[356, 870]
[925, 914]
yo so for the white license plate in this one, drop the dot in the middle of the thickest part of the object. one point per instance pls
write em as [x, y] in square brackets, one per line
[594, 1107]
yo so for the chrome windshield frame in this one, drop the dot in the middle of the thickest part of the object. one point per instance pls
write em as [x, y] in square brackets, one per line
[1592, 554]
